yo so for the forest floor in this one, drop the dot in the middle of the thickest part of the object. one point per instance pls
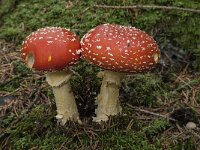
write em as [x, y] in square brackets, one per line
[157, 105]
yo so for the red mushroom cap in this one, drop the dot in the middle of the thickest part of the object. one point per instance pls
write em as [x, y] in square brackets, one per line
[51, 48]
[120, 48]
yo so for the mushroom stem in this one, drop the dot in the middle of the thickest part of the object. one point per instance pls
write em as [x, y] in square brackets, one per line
[108, 99]
[64, 98]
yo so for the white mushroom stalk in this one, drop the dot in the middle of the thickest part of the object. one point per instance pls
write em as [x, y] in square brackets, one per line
[64, 97]
[117, 49]
[108, 99]
[53, 50]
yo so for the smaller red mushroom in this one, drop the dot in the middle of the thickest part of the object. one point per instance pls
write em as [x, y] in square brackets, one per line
[118, 50]
[54, 49]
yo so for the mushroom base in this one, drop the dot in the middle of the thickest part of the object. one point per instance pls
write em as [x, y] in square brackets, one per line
[64, 98]
[108, 99]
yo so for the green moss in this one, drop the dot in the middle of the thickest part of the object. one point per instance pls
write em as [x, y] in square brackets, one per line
[20, 68]
[40, 131]
[11, 85]
[86, 86]
[10, 33]
[6, 6]
[19, 72]
[156, 127]
[115, 139]
[145, 90]
[189, 144]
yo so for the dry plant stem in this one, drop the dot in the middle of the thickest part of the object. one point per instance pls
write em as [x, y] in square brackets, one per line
[108, 99]
[64, 98]
[149, 7]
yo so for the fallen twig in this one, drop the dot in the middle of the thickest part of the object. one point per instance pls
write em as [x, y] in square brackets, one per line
[151, 113]
[149, 7]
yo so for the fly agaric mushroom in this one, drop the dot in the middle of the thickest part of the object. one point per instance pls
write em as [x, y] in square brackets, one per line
[53, 50]
[118, 50]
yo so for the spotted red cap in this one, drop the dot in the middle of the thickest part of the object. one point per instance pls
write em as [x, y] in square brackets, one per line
[120, 48]
[51, 48]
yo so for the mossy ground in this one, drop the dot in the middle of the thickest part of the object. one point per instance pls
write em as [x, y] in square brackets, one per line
[27, 117]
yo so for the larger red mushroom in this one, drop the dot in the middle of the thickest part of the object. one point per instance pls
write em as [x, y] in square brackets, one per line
[117, 49]
[54, 49]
